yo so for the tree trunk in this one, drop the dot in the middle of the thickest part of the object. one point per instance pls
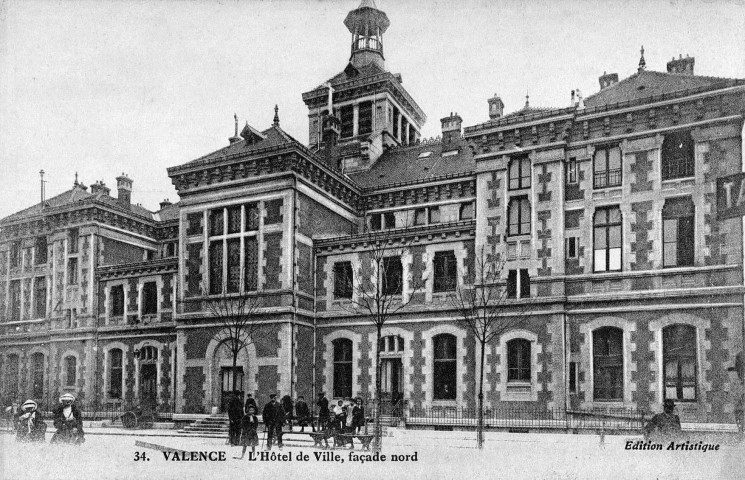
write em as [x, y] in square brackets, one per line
[378, 439]
[480, 428]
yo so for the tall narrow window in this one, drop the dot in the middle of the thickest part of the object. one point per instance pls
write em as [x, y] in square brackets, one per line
[342, 368]
[71, 364]
[679, 357]
[607, 167]
[573, 377]
[234, 265]
[72, 271]
[343, 280]
[15, 254]
[375, 223]
[15, 300]
[216, 267]
[518, 283]
[390, 220]
[365, 118]
[115, 373]
[607, 246]
[347, 121]
[234, 219]
[392, 276]
[37, 375]
[607, 354]
[73, 235]
[40, 251]
[434, 214]
[252, 216]
[251, 255]
[519, 216]
[678, 160]
[117, 300]
[40, 297]
[444, 367]
[420, 216]
[446, 271]
[149, 298]
[572, 249]
[571, 171]
[519, 169]
[11, 375]
[678, 232]
[217, 222]
[518, 360]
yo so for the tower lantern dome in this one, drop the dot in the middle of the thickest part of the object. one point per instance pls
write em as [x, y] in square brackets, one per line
[367, 24]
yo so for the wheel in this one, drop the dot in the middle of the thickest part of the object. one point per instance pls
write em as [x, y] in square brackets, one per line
[129, 420]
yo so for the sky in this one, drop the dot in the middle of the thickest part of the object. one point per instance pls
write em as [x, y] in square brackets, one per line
[109, 87]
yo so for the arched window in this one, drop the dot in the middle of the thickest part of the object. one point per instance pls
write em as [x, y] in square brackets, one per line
[518, 360]
[679, 358]
[677, 232]
[115, 373]
[678, 159]
[11, 375]
[342, 367]
[391, 344]
[607, 355]
[445, 366]
[37, 378]
[71, 370]
[149, 354]
[519, 216]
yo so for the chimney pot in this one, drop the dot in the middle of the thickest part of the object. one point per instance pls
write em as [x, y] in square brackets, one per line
[496, 107]
[451, 127]
[124, 187]
[682, 66]
[607, 79]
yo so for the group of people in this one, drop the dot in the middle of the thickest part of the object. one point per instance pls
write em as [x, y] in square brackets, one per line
[346, 417]
[66, 418]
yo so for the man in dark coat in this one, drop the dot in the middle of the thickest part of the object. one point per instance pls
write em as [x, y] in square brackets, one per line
[664, 426]
[235, 414]
[273, 416]
[302, 412]
[323, 410]
[250, 402]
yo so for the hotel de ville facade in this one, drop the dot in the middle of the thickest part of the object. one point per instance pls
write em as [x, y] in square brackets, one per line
[604, 212]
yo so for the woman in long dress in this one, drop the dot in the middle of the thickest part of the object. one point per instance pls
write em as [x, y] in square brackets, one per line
[68, 421]
[29, 426]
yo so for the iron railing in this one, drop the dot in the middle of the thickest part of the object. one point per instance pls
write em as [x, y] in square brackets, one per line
[528, 417]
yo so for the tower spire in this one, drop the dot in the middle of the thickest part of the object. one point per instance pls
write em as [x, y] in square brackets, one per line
[367, 24]
[642, 62]
[276, 116]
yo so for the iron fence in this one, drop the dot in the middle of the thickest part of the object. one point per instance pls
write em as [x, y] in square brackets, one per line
[529, 417]
[97, 411]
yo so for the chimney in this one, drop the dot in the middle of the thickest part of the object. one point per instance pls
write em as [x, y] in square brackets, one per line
[100, 188]
[235, 137]
[683, 66]
[451, 127]
[496, 107]
[607, 79]
[124, 186]
[165, 203]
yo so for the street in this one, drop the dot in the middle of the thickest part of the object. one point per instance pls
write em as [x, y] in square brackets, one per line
[431, 455]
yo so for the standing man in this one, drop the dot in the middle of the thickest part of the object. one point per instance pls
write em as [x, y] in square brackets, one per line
[235, 414]
[323, 410]
[664, 426]
[273, 416]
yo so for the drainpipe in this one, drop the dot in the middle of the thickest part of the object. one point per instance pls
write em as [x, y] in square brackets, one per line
[294, 289]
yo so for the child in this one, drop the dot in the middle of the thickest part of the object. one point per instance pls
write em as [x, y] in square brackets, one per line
[249, 424]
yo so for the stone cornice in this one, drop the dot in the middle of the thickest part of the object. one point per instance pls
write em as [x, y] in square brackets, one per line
[149, 267]
[424, 235]
[413, 193]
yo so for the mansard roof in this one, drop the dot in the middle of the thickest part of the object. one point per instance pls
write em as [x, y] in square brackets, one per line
[647, 83]
[274, 137]
[74, 196]
[425, 161]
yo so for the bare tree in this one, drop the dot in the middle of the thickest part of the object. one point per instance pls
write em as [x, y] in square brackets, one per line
[240, 323]
[487, 310]
[380, 290]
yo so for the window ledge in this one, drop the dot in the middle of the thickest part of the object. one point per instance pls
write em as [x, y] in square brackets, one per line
[444, 403]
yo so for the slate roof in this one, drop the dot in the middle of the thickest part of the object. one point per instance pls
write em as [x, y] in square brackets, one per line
[169, 212]
[403, 165]
[647, 83]
[275, 136]
[71, 197]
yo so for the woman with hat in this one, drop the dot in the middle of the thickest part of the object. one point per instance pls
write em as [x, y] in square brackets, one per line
[68, 421]
[30, 427]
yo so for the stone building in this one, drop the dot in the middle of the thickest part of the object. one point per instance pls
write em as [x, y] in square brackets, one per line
[604, 213]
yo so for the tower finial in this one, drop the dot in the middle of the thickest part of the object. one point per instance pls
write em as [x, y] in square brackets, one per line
[276, 116]
[527, 99]
[76, 179]
[642, 63]
[235, 116]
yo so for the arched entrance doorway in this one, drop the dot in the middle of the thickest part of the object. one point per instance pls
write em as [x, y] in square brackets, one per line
[148, 377]
[226, 377]
[391, 372]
